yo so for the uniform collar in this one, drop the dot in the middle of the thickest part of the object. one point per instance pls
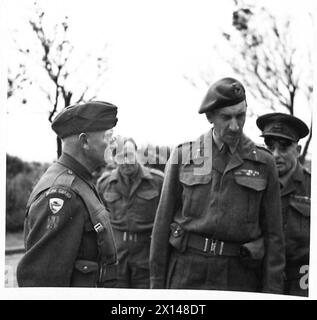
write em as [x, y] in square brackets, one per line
[219, 144]
[143, 173]
[200, 153]
[296, 177]
[202, 148]
[72, 164]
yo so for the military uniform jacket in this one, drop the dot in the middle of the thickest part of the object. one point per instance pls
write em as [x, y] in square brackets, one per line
[68, 237]
[237, 203]
[132, 210]
[296, 220]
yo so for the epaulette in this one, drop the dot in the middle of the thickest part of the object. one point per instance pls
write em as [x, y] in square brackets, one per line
[157, 172]
[184, 144]
[183, 150]
[264, 149]
[65, 178]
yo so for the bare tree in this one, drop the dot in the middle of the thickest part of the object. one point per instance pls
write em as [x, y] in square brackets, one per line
[268, 60]
[55, 58]
[16, 80]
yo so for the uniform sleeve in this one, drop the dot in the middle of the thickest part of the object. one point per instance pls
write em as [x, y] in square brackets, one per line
[53, 232]
[271, 222]
[169, 203]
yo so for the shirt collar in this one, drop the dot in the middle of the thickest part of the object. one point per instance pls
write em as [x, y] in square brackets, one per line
[221, 144]
[72, 164]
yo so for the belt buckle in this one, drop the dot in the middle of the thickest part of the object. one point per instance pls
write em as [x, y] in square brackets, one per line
[213, 246]
[98, 227]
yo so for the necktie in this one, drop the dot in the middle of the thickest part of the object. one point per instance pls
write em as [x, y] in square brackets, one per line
[225, 154]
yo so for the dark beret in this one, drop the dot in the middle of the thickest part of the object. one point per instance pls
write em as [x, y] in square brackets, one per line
[282, 125]
[223, 93]
[85, 117]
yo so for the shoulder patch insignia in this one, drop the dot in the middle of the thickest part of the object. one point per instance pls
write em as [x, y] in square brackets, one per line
[58, 191]
[52, 222]
[56, 204]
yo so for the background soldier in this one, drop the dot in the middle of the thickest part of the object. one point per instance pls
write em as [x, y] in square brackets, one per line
[131, 193]
[281, 134]
[218, 224]
[68, 237]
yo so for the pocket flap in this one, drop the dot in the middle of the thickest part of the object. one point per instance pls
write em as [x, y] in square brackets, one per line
[257, 184]
[301, 206]
[148, 194]
[111, 196]
[86, 266]
[190, 179]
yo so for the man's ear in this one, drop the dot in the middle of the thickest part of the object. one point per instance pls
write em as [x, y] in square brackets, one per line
[83, 141]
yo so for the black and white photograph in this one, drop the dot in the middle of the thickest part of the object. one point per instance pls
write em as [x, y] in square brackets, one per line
[158, 149]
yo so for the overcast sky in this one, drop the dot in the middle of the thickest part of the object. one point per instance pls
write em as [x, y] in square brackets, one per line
[152, 46]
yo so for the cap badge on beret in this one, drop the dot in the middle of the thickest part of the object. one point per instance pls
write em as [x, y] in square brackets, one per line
[237, 90]
[225, 92]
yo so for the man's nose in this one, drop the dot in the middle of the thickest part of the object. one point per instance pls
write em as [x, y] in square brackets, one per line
[234, 126]
[275, 153]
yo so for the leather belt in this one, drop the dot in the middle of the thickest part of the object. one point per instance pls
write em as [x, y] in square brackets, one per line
[127, 236]
[212, 246]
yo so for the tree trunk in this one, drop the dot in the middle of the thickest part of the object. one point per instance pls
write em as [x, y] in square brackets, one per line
[304, 153]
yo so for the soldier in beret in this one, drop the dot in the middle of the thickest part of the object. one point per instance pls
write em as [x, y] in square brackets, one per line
[219, 224]
[281, 134]
[131, 192]
[68, 236]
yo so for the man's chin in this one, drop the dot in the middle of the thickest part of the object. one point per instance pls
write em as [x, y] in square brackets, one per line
[232, 140]
[281, 171]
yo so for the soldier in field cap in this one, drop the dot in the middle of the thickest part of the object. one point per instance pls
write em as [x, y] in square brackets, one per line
[219, 224]
[131, 193]
[281, 134]
[68, 237]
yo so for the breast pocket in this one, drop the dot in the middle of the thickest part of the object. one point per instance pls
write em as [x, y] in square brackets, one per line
[114, 204]
[248, 195]
[196, 189]
[298, 221]
[145, 204]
